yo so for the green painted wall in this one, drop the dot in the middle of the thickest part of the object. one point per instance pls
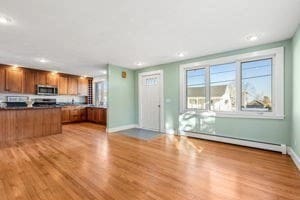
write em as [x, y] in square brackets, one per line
[295, 139]
[266, 130]
[121, 97]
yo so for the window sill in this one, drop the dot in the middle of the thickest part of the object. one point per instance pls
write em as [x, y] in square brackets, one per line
[244, 115]
[249, 116]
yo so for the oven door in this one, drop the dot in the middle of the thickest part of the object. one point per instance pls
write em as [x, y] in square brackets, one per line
[46, 90]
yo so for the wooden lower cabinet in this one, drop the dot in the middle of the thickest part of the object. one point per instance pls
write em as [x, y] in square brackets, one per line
[73, 114]
[83, 114]
[65, 115]
[80, 114]
[97, 115]
[29, 123]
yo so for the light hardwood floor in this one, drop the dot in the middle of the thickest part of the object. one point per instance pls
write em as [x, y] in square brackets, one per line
[86, 163]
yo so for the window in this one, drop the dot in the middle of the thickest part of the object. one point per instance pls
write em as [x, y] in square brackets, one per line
[245, 85]
[257, 85]
[151, 81]
[222, 87]
[100, 93]
[195, 88]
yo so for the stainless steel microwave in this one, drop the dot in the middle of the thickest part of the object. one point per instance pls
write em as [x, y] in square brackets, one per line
[48, 90]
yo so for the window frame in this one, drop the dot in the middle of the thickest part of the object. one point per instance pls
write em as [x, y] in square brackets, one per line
[277, 55]
[206, 89]
[103, 82]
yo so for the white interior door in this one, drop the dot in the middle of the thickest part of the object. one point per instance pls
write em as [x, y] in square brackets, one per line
[150, 101]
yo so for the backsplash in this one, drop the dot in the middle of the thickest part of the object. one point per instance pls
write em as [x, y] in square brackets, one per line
[59, 99]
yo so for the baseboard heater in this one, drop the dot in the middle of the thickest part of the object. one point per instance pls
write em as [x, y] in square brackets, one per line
[242, 142]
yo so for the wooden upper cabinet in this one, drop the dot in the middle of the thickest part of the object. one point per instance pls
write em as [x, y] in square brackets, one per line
[2, 79]
[72, 85]
[29, 82]
[41, 78]
[24, 80]
[13, 79]
[52, 79]
[63, 85]
[47, 78]
[83, 86]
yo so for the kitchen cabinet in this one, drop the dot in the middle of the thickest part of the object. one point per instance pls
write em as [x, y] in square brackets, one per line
[73, 114]
[24, 80]
[41, 78]
[97, 115]
[46, 78]
[83, 114]
[72, 85]
[29, 81]
[83, 86]
[2, 79]
[29, 123]
[52, 79]
[90, 114]
[63, 85]
[65, 115]
[13, 79]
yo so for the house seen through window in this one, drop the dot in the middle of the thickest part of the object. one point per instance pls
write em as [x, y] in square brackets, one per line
[239, 86]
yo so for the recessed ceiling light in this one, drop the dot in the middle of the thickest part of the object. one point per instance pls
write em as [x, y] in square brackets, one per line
[139, 64]
[5, 20]
[104, 72]
[181, 54]
[43, 60]
[252, 37]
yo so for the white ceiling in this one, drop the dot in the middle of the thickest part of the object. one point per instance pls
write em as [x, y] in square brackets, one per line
[82, 36]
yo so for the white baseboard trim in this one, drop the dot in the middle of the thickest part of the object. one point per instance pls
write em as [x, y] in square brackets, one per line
[260, 145]
[121, 128]
[294, 157]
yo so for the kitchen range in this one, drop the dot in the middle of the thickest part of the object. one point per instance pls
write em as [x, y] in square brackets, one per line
[36, 103]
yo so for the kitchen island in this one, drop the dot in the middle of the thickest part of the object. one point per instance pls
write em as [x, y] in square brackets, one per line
[25, 122]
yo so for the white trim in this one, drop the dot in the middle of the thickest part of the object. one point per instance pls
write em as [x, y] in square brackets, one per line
[260, 145]
[277, 82]
[238, 57]
[294, 157]
[248, 115]
[121, 128]
[161, 73]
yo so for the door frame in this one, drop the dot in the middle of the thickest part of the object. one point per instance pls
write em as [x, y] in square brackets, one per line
[162, 118]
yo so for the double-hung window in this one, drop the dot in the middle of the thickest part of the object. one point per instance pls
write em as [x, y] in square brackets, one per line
[247, 85]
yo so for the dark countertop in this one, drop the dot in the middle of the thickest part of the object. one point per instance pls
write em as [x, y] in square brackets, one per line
[28, 108]
[80, 104]
[51, 106]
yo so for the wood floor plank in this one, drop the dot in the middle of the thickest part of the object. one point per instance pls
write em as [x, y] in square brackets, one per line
[86, 163]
